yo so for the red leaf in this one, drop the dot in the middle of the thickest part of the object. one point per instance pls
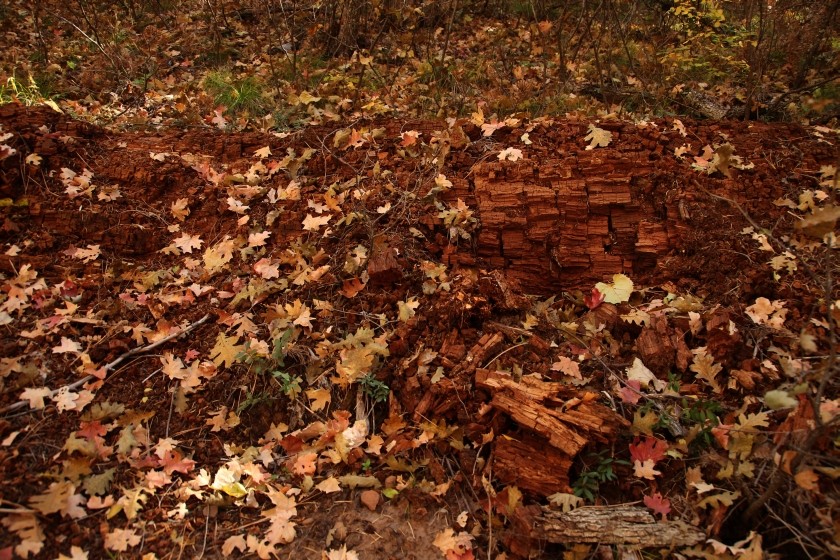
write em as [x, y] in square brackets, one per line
[175, 462]
[649, 449]
[594, 300]
[631, 393]
[658, 504]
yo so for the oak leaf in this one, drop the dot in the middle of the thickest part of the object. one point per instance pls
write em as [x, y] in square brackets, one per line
[598, 137]
[226, 350]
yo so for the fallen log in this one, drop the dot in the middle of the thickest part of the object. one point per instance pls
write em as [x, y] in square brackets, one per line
[619, 524]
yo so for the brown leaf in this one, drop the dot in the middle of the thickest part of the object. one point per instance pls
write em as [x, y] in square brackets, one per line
[370, 498]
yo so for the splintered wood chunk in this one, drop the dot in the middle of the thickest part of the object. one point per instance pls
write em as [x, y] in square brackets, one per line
[531, 465]
[539, 419]
[621, 524]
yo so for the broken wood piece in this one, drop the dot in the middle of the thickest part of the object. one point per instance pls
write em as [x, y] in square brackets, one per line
[620, 524]
[528, 403]
[531, 465]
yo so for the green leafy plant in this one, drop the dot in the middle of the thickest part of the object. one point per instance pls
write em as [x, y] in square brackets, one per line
[374, 388]
[588, 484]
[289, 383]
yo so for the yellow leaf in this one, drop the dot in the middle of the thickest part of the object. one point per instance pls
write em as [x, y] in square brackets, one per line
[643, 423]
[617, 292]
[319, 398]
[225, 350]
[808, 479]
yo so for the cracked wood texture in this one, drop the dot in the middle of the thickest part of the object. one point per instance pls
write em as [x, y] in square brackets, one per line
[620, 524]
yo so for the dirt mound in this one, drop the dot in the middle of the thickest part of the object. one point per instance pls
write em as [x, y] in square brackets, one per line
[338, 263]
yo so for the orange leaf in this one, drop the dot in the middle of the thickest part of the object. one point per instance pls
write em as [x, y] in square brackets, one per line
[352, 287]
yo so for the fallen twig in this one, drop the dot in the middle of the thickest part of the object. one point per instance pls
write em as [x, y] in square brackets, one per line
[111, 366]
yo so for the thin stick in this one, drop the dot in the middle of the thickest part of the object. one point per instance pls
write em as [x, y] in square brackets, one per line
[115, 363]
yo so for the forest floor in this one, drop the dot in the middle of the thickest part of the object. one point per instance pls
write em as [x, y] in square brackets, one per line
[382, 336]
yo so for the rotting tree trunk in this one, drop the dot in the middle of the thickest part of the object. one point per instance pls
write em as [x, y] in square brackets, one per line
[568, 216]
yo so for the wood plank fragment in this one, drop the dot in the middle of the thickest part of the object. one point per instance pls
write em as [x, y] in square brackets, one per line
[531, 465]
[621, 524]
[537, 406]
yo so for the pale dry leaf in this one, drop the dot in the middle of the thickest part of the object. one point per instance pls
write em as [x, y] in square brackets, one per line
[66, 346]
[639, 372]
[329, 485]
[598, 137]
[510, 154]
[314, 223]
[120, 540]
[36, 396]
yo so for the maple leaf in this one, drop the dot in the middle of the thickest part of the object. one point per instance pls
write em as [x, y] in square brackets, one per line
[179, 209]
[120, 540]
[173, 461]
[658, 504]
[409, 138]
[645, 469]
[631, 393]
[223, 420]
[765, 312]
[236, 542]
[342, 554]
[65, 399]
[258, 239]
[639, 372]
[304, 463]
[598, 137]
[36, 396]
[266, 269]
[319, 398]
[454, 546]
[225, 350]
[329, 485]
[76, 553]
[263, 152]
[617, 292]
[649, 448]
[350, 288]
[567, 366]
[407, 308]
[60, 497]
[314, 223]
[187, 243]
[566, 502]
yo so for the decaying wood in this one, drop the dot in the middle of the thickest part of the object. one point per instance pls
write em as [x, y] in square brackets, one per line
[622, 524]
[446, 394]
[531, 465]
[552, 410]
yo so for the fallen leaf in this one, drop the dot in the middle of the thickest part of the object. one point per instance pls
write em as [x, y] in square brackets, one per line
[658, 504]
[370, 499]
[598, 137]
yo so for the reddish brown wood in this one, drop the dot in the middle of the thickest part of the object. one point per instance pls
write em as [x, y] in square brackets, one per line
[531, 465]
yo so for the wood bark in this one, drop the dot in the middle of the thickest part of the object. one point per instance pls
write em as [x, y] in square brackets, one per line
[620, 524]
